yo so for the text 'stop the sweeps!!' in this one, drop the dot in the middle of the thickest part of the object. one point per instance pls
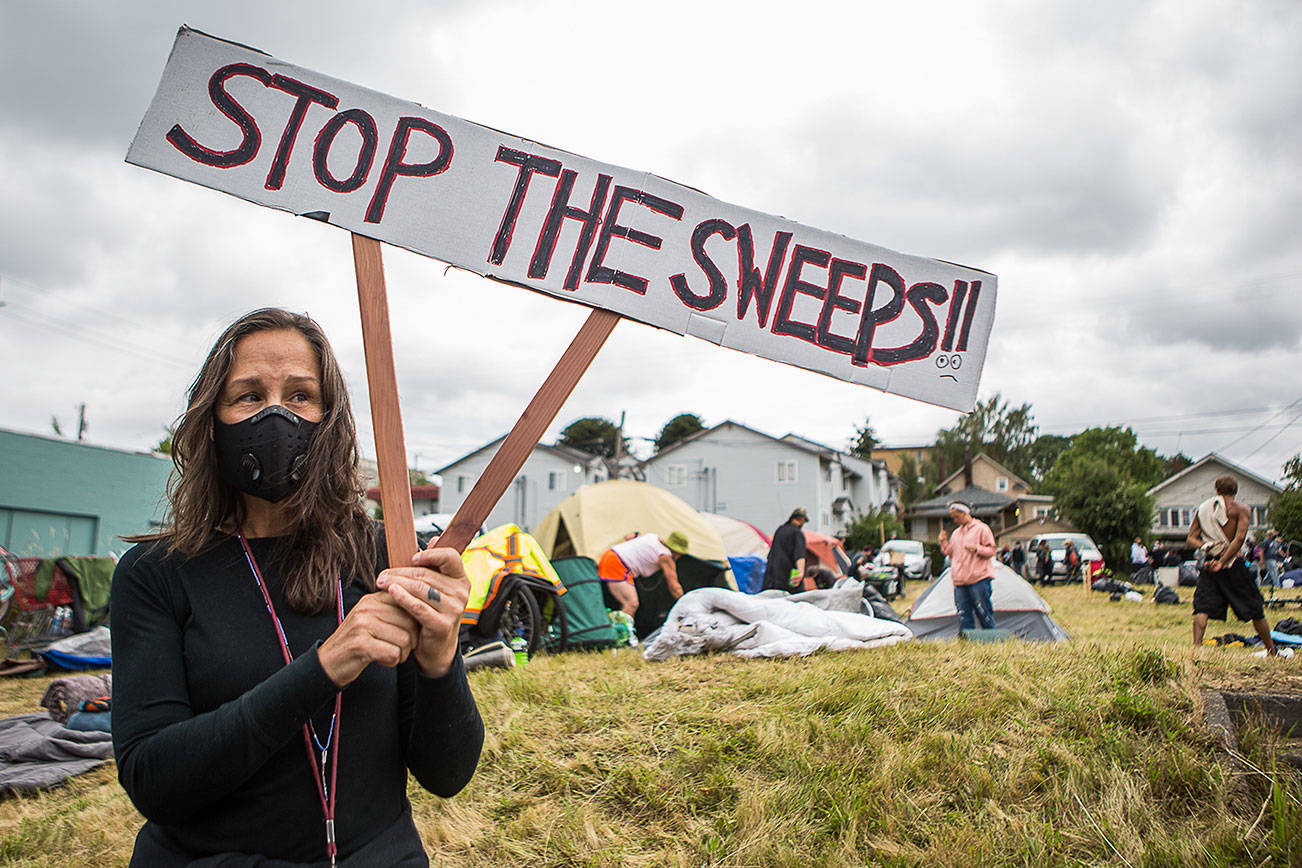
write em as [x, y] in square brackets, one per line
[228, 117]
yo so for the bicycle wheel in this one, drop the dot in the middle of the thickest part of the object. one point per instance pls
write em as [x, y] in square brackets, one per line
[556, 636]
[522, 617]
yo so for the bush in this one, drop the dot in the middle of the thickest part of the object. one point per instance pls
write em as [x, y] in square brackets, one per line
[868, 528]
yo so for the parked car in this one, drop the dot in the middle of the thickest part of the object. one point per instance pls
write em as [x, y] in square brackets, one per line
[908, 553]
[1090, 556]
[432, 525]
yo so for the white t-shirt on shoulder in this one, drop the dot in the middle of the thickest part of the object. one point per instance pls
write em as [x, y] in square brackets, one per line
[641, 554]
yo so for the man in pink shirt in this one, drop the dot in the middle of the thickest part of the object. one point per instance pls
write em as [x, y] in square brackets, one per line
[971, 553]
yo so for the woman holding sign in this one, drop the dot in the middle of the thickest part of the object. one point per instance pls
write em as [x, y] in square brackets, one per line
[272, 692]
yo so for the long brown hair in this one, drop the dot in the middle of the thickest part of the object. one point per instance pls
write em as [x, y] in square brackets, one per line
[330, 534]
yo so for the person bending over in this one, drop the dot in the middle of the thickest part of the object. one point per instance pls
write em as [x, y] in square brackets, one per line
[643, 555]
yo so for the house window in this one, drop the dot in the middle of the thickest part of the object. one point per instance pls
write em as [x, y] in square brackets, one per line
[461, 484]
[1260, 516]
[555, 481]
[675, 475]
[786, 471]
[1042, 512]
[1001, 484]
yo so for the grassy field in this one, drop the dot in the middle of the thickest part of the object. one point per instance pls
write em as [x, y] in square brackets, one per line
[1083, 753]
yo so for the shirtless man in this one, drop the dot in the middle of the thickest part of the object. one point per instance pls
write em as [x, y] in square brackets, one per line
[1224, 580]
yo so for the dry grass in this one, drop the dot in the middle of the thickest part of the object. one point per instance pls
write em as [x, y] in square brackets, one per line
[1083, 753]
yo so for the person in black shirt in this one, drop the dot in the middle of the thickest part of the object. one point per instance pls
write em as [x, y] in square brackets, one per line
[785, 570]
[271, 691]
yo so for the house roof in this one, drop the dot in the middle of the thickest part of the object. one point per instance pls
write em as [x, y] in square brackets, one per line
[982, 502]
[798, 443]
[977, 458]
[846, 458]
[1210, 457]
[566, 452]
[85, 444]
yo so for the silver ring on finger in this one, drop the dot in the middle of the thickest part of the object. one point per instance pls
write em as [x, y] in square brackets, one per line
[433, 594]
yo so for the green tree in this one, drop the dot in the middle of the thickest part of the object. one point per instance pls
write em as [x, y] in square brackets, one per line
[592, 434]
[867, 529]
[1286, 507]
[1118, 447]
[1293, 472]
[1001, 431]
[1099, 484]
[1041, 454]
[164, 446]
[916, 481]
[1173, 464]
[1286, 513]
[680, 427]
[864, 440]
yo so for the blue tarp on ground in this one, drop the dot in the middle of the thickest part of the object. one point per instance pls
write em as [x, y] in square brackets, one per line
[748, 570]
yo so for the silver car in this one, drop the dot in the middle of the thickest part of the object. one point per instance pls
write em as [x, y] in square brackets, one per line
[915, 561]
[1085, 547]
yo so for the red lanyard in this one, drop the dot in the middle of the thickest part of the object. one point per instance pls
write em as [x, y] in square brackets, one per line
[324, 792]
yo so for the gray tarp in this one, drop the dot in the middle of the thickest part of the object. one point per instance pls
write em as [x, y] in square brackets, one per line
[37, 753]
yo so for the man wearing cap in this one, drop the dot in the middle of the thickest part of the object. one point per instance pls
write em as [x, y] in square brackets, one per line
[971, 553]
[1272, 553]
[643, 555]
[785, 570]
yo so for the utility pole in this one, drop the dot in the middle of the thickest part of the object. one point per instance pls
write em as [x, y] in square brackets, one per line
[619, 447]
[81, 421]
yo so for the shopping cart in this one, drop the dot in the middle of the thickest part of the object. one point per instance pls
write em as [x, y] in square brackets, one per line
[27, 621]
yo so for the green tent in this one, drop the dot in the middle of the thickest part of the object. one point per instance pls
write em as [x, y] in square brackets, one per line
[596, 517]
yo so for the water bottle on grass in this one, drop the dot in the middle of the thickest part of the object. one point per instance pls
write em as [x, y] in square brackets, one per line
[521, 650]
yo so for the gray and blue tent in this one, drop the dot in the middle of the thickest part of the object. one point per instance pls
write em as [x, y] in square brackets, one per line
[1018, 609]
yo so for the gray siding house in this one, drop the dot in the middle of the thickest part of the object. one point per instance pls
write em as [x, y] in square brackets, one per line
[64, 497]
[749, 475]
[551, 474]
[1177, 497]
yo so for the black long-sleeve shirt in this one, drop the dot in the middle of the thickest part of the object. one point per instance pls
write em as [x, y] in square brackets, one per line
[207, 718]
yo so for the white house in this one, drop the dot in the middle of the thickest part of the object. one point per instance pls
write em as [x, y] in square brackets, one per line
[749, 475]
[1177, 496]
[549, 475]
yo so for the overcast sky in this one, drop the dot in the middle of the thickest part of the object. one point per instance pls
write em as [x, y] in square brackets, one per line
[1130, 171]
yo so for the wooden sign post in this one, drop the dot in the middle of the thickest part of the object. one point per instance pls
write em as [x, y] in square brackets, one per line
[386, 416]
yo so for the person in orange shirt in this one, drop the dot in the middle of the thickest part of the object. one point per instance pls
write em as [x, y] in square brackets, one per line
[971, 553]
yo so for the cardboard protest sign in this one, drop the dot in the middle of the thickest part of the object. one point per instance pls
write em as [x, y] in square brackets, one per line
[229, 117]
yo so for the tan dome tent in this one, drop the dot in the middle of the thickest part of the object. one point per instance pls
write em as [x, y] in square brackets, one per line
[739, 537]
[1018, 609]
[595, 517]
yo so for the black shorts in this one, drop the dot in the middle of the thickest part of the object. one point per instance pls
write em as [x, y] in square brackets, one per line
[1231, 587]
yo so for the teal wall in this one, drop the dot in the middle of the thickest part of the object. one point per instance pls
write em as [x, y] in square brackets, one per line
[60, 497]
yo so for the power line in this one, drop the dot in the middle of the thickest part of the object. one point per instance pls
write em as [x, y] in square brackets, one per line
[83, 330]
[1173, 417]
[1237, 440]
[81, 334]
[1272, 438]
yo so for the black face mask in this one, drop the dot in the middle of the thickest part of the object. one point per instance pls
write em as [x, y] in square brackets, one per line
[265, 454]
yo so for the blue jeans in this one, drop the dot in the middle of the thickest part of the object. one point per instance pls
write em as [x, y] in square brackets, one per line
[973, 604]
[1272, 572]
